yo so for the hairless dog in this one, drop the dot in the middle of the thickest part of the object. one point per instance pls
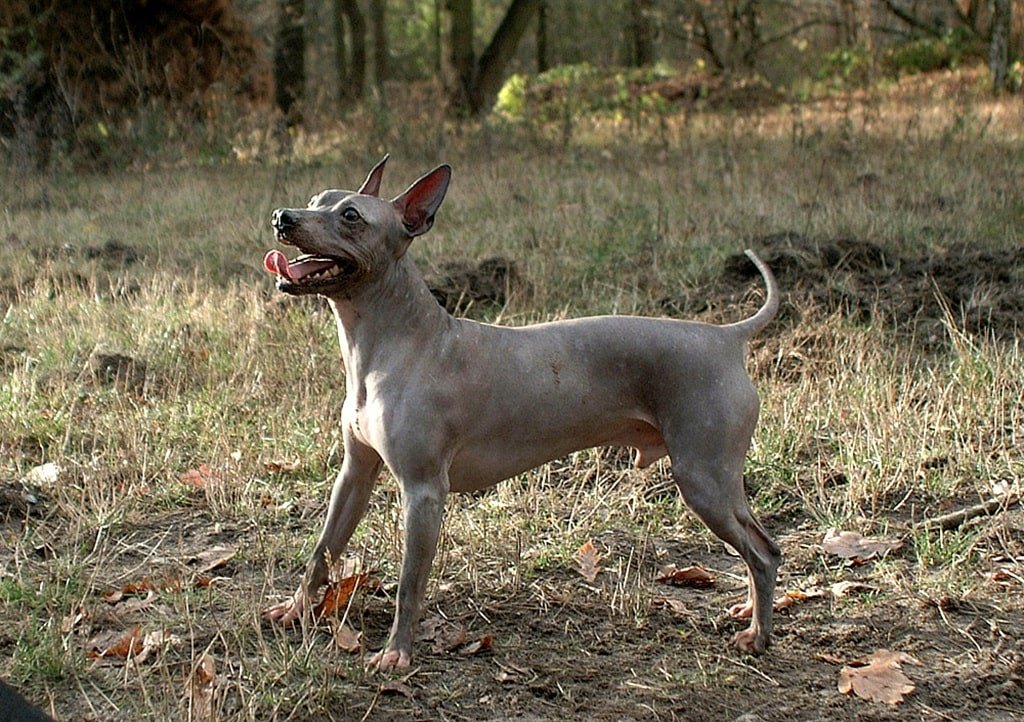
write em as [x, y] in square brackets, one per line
[449, 404]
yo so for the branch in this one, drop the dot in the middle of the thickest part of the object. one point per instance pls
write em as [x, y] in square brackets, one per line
[956, 518]
[911, 20]
[752, 53]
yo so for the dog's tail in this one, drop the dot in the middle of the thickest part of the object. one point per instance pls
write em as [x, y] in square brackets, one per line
[770, 307]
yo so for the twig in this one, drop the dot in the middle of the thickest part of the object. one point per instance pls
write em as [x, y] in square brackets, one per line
[956, 518]
[749, 668]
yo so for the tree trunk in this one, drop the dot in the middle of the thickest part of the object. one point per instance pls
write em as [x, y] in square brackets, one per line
[999, 44]
[490, 69]
[351, 87]
[641, 28]
[542, 37]
[460, 65]
[380, 41]
[340, 54]
[289, 60]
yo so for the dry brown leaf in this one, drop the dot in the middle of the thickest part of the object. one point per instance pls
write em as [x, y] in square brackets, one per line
[214, 558]
[154, 643]
[131, 588]
[396, 686]
[117, 645]
[588, 562]
[445, 640]
[280, 467]
[484, 644]
[71, 620]
[135, 604]
[694, 576]
[844, 588]
[676, 606]
[345, 637]
[796, 596]
[199, 477]
[201, 684]
[855, 548]
[337, 594]
[878, 677]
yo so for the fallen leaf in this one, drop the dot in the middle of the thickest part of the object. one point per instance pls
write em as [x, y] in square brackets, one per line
[878, 677]
[280, 467]
[71, 620]
[796, 596]
[588, 562]
[201, 685]
[844, 588]
[346, 638]
[449, 638]
[144, 586]
[694, 576]
[135, 604]
[197, 478]
[119, 645]
[396, 686]
[213, 558]
[154, 643]
[337, 594]
[676, 606]
[855, 548]
[484, 644]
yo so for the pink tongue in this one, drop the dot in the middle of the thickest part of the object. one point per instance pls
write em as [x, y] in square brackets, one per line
[276, 262]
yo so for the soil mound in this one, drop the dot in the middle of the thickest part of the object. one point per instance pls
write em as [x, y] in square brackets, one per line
[977, 291]
[110, 56]
[460, 285]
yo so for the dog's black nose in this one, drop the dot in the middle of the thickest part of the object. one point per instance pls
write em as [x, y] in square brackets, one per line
[282, 220]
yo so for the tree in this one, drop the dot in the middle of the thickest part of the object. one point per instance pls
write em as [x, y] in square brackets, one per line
[380, 41]
[351, 55]
[473, 83]
[289, 60]
[999, 44]
[641, 31]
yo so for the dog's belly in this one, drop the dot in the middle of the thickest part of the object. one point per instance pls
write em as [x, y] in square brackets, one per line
[484, 462]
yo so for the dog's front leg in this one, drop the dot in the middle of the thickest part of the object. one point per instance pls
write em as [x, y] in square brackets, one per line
[349, 499]
[423, 510]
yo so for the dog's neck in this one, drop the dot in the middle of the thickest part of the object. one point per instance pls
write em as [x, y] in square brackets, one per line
[393, 317]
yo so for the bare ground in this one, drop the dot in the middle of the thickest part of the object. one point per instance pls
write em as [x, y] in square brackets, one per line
[562, 648]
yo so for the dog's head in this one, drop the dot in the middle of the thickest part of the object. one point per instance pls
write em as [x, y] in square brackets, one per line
[348, 238]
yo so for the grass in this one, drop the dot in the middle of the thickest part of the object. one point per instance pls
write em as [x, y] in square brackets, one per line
[865, 425]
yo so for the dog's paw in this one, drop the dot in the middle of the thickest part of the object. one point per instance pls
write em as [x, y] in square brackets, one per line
[750, 641]
[389, 659]
[742, 611]
[285, 613]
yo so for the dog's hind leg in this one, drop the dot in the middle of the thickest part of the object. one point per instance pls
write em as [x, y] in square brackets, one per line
[707, 466]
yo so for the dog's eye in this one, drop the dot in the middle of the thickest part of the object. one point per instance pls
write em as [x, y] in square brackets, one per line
[351, 215]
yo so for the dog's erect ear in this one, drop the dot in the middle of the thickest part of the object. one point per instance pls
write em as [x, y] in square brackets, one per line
[371, 186]
[420, 201]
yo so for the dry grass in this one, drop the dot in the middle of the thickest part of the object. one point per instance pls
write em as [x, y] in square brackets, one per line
[865, 426]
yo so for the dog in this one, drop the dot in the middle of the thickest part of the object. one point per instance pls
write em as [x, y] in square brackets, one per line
[448, 404]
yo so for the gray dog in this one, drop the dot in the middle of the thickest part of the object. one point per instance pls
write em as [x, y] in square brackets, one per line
[453, 405]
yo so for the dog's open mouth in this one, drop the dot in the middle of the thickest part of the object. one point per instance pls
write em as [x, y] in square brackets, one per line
[307, 270]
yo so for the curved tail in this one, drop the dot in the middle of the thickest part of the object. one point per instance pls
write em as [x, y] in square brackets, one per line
[766, 313]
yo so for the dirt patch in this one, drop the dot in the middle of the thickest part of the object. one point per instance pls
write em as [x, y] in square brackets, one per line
[460, 286]
[970, 290]
[115, 369]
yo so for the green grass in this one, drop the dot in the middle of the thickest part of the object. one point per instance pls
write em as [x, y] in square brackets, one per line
[614, 222]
